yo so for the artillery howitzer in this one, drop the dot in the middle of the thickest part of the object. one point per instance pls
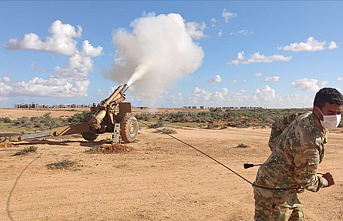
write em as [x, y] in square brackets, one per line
[102, 118]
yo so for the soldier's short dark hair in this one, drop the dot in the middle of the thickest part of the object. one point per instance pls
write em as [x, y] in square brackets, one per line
[330, 95]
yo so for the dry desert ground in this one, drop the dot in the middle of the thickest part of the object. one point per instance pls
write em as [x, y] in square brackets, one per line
[160, 178]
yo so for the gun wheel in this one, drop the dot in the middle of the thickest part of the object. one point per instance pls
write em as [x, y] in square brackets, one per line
[128, 128]
[89, 136]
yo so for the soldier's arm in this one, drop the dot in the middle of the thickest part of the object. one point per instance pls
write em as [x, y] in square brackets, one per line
[306, 162]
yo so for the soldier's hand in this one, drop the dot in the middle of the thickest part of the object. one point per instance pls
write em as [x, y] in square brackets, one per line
[329, 178]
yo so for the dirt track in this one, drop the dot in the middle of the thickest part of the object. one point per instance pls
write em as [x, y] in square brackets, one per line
[160, 179]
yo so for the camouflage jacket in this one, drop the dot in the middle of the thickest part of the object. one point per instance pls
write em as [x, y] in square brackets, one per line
[297, 144]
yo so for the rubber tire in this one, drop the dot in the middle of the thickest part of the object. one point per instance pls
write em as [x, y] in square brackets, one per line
[128, 128]
[89, 136]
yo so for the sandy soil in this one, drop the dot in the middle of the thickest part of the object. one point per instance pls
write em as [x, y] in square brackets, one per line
[159, 179]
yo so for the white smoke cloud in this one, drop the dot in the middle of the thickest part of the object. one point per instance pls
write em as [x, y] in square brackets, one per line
[258, 58]
[195, 30]
[159, 51]
[216, 79]
[61, 40]
[310, 45]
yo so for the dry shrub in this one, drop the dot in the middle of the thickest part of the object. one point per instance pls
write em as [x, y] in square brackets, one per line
[64, 164]
[242, 145]
[166, 130]
[26, 151]
[110, 148]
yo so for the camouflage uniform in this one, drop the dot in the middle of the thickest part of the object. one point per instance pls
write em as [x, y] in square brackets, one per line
[297, 144]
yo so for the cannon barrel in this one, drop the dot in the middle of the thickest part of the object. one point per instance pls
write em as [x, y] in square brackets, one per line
[117, 96]
[125, 87]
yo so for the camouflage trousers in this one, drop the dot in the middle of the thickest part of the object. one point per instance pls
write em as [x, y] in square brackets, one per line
[277, 205]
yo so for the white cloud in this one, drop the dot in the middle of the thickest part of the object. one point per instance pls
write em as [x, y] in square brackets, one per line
[272, 79]
[267, 97]
[176, 99]
[44, 69]
[234, 81]
[213, 21]
[5, 79]
[80, 64]
[228, 15]
[310, 45]
[195, 30]
[202, 96]
[261, 97]
[33, 66]
[241, 32]
[52, 87]
[61, 40]
[216, 79]
[220, 33]
[71, 81]
[339, 79]
[306, 84]
[324, 83]
[258, 74]
[258, 58]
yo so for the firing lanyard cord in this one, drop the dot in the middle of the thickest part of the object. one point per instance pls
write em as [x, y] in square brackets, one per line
[220, 163]
[204, 154]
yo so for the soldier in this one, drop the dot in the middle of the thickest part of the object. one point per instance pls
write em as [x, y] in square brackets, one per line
[297, 145]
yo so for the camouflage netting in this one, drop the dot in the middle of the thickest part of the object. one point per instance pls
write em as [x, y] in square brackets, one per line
[110, 148]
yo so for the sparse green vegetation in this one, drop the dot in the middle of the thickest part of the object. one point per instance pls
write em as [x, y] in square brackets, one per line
[158, 124]
[34, 124]
[78, 117]
[5, 120]
[218, 118]
[44, 122]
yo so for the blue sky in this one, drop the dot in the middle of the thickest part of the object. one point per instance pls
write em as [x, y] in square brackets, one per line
[274, 54]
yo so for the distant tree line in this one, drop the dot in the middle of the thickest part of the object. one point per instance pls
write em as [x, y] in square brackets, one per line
[216, 118]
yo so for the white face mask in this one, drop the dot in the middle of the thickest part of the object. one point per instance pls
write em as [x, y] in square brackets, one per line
[330, 121]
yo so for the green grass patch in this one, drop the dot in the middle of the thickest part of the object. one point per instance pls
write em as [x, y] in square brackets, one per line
[11, 128]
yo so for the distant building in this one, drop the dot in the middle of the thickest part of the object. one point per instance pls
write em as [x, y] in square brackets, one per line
[46, 106]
